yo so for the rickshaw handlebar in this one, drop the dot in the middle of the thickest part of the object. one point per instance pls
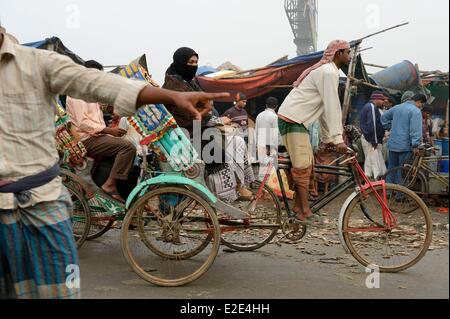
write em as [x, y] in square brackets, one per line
[350, 151]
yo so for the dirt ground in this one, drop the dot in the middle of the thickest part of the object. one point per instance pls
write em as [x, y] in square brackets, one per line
[315, 267]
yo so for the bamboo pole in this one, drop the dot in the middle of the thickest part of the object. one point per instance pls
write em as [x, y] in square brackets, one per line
[358, 42]
[348, 85]
[382, 31]
[358, 81]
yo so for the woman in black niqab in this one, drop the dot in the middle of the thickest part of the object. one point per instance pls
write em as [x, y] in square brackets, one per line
[222, 175]
[181, 66]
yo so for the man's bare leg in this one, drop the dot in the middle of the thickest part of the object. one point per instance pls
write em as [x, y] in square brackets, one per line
[305, 177]
[301, 178]
[110, 187]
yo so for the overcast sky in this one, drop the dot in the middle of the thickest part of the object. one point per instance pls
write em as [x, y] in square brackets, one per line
[249, 33]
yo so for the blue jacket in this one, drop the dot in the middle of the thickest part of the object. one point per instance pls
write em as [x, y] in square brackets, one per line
[367, 125]
[405, 122]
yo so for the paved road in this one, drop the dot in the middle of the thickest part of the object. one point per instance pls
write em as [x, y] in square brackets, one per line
[309, 269]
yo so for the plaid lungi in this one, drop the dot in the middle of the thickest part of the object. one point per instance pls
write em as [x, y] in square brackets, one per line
[38, 254]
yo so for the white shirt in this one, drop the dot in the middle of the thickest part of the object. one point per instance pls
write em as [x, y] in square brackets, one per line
[266, 128]
[317, 98]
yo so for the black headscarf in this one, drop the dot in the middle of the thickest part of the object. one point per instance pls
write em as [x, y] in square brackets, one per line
[180, 65]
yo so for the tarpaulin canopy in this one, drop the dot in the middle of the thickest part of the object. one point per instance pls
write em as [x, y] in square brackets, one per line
[205, 70]
[55, 44]
[261, 81]
[439, 90]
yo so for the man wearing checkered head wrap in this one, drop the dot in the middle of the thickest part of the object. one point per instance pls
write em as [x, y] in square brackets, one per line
[314, 97]
[328, 57]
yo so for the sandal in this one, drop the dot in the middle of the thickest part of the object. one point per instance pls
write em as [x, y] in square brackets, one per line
[313, 220]
[112, 194]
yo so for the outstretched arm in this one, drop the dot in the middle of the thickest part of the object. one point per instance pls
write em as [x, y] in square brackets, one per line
[194, 103]
[63, 76]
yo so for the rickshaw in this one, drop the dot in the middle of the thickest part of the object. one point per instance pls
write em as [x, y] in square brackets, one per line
[177, 184]
[173, 225]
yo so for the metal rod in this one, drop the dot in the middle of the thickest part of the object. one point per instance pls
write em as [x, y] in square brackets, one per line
[334, 173]
[382, 31]
[365, 49]
[333, 194]
[283, 192]
[336, 168]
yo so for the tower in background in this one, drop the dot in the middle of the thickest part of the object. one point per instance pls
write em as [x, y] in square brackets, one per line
[303, 17]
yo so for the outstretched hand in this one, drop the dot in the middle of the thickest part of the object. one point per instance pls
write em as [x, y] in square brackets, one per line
[197, 104]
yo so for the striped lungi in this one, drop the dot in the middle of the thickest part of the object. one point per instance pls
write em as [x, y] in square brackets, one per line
[38, 254]
[296, 140]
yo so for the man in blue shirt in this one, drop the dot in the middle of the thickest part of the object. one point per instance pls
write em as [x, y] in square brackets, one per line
[405, 123]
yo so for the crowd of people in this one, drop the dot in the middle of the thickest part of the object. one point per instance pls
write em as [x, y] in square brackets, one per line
[36, 243]
[392, 134]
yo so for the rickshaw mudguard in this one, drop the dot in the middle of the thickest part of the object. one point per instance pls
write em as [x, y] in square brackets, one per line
[341, 220]
[170, 179]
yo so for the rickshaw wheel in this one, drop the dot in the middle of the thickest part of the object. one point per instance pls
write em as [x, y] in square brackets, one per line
[80, 215]
[179, 227]
[266, 211]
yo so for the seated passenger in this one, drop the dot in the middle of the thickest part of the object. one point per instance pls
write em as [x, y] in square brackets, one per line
[229, 178]
[100, 140]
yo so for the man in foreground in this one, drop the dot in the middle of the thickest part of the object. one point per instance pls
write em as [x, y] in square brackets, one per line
[37, 249]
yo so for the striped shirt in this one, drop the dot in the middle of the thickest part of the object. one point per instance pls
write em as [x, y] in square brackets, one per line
[29, 81]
